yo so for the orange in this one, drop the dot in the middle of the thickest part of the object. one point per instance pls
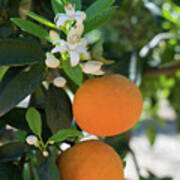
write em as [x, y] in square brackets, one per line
[107, 105]
[90, 160]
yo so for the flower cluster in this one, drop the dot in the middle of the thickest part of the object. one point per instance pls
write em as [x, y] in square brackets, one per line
[34, 141]
[74, 47]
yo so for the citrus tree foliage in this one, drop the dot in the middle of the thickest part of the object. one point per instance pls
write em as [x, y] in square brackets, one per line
[136, 38]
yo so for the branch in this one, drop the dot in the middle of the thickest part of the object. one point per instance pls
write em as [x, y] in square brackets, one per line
[153, 72]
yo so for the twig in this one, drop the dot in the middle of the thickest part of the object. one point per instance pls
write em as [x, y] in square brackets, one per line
[160, 71]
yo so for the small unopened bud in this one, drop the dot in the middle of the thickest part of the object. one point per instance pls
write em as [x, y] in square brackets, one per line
[32, 140]
[51, 142]
[45, 153]
[54, 35]
[92, 67]
[51, 61]
[59, 81]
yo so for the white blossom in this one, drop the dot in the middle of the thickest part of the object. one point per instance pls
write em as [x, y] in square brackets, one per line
[32, 140]
[75, 46]
[71, 15]
[51, 61]
[59, 81]
[92, 67]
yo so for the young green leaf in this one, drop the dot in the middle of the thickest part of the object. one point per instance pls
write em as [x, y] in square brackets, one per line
[32, 28]
[65, 134]
[40, 19]
[99, 20]
[57, 6]
[74, 73]
[98, 7]
[34, 121]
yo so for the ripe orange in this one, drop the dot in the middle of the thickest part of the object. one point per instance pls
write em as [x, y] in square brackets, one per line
[107, 105]
[90, 160]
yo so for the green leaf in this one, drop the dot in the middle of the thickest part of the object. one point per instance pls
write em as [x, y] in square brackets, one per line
[58, 109]
[98, 7]
[16, 87]
[32, 28]
[151, 133]
[77, 4]
[9, 171]
[120, 143]
[2, 71]
[65, 134]
[40, 19]
[15, 52]
[16, 118]
[48, 170]
[74, 73]
[12, 151]
[99, 20]
[57, 6]
[33, 118]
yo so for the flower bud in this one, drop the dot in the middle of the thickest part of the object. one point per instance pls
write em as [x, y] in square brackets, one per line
[92, 67]
[59, 82]
[51, 142]
[32, 140]
[51, 61]
[45, 153]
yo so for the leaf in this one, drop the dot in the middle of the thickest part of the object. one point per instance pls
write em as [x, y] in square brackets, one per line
[120, 143]
[9, 171]
[74, 73]
[16, 118]
[32, 28]
[57, 6]
[12, 151]
[65, 134]
[2, 72]
[48, 170]
[98, 7]
[40, 19]
[99, 20]
[34, 121]
[151, 133]
[58, 109]
[15, 88]
[77, 4]
[15, 52]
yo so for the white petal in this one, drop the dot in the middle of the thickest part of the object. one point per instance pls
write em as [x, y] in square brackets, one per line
[78, 20]
[74, 58]
[84, 53]
[62, 19]
[59, 81]
[92, 67]
[81, 14]
[81, 49]
[61, 49]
